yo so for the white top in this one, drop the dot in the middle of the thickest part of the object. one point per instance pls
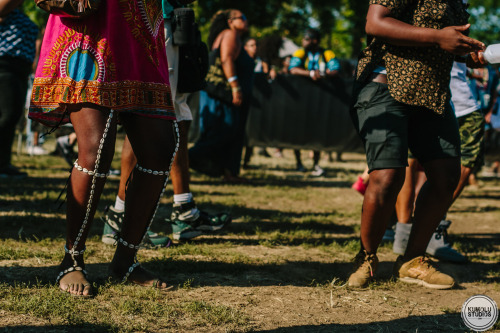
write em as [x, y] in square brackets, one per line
[380, 70]
[462, 99]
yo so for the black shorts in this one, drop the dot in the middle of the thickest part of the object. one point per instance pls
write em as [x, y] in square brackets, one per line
[389, 128]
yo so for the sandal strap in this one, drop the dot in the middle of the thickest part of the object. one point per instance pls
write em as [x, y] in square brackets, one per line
[130, 270]
[73, 252]
[152, 172]
[69, 270]
[127, 244]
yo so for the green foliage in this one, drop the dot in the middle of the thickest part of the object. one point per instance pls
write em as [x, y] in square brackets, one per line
[341, 22]
[485, 19]
[35, 14]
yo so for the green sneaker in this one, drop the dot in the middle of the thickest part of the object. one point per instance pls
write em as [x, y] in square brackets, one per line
[186, 226]
[112, 225]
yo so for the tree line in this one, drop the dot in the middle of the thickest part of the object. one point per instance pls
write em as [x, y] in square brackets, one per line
[341, 22]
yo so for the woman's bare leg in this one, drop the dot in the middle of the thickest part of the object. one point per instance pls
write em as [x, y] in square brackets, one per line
[154, 143]
[85, 187]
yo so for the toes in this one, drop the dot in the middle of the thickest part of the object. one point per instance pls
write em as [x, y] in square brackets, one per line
[87, 290]
[161, 285]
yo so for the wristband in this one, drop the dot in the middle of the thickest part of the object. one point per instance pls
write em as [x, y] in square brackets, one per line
[232, 78]
[236, 89]
[312, 73]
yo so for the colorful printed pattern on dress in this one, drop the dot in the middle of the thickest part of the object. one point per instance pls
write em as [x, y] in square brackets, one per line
[79, 56]
[145, 18]
[80, 69]
[123, 96]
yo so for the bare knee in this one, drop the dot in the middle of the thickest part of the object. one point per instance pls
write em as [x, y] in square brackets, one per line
[91, 151]
[444, 178]
[387, 182]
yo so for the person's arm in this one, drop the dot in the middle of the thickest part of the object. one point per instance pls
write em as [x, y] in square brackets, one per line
[297, 66]
[313, 74]
[299, 71]
[6, 6]
[332, 64]
[380, 24]
[229, 51]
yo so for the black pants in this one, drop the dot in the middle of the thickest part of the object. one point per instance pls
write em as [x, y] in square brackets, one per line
[14, 75]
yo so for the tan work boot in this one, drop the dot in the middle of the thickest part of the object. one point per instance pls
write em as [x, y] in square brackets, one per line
[422, 270]
[365, 266]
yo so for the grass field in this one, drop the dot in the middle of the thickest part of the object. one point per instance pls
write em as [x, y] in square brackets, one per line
[281, 266]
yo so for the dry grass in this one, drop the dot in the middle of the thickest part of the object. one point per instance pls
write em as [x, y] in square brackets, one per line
[281, 266]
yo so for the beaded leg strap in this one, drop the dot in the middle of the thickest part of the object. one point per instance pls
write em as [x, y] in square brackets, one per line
[155, 173]
[75, 266]
[94, 174]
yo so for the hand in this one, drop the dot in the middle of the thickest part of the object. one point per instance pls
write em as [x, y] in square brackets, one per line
[332, 73]
[237, 98]
[315, 75]
[487, 117]
[453, 40]
[272, 74]
[476, 60]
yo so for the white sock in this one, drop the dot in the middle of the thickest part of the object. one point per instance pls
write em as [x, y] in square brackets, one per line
[183, 198]
[119, 204]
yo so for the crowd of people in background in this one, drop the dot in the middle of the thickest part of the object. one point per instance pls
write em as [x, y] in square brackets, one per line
[414, 190]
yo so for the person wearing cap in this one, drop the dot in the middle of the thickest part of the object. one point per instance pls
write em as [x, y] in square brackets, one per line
[315, 62]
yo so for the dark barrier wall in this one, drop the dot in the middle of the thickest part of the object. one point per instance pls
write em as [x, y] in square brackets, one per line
[296, 112]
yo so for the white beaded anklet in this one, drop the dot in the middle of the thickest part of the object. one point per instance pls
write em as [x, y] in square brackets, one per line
[90, 172]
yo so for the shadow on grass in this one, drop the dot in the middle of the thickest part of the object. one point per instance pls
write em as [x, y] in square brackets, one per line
[281, 181]
[206, 273]
[77, 328]
[426, 323]
[438, 323]
[39, 221]
[475, 209]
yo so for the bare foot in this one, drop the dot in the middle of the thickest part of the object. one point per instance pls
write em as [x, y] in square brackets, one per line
[76, 284]
[139, 276]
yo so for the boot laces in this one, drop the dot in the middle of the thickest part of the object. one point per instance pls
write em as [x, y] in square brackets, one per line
[442, 232]
[426, 262]
[364, 257]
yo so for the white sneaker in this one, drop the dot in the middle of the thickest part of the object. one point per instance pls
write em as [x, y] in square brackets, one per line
[317, 171]
[37, 150]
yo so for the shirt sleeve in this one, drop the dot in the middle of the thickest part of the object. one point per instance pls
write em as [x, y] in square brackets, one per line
[332, 63]
[297, 59]
[396, 7]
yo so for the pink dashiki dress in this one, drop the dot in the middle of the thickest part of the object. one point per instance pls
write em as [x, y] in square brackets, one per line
[115, 58]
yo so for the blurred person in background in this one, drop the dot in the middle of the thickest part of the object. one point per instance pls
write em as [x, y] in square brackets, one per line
[186, 219]
[316, 63]
[18, 36]
[251, 47]
[222, 125]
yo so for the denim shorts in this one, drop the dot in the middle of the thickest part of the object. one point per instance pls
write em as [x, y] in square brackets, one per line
[389, 128]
